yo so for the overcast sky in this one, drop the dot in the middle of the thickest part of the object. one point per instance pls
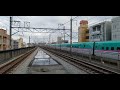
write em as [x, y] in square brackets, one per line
[48, 22]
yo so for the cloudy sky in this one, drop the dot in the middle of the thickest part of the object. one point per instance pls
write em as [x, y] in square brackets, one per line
[48, 22]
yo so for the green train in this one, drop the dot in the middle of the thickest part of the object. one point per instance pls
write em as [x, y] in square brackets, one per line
[108, 45]
[108, 49]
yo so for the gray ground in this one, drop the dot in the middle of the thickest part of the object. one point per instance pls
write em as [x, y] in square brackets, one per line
[64, 68]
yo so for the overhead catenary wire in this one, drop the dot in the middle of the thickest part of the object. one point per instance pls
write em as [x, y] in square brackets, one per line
[92, 20]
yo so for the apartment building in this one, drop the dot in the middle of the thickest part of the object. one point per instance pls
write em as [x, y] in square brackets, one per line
[4, 40]
[100, 32]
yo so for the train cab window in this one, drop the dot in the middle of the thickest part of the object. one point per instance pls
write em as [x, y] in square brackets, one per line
[107, 48]
[112, 48]
[102, 48]
[118, 48]
[84, 45]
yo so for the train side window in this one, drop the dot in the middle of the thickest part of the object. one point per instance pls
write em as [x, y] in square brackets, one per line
[118, 48]
[102, 48]
[107, 48]
[112, 48]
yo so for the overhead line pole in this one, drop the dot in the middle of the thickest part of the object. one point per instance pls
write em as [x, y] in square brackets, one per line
[64, 33]
[29, 40]
[71, 35]
[10, 32]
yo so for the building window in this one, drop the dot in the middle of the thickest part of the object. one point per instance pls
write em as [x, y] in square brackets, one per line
[112, 48]
[87, 31]
[114, 26]
[87, 37]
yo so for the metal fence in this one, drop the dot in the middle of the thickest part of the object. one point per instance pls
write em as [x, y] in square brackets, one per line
[9, 54]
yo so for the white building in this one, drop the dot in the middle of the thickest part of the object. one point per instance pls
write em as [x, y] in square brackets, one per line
[100, 32]
[20, 43]
[116, 28]
[59, 40]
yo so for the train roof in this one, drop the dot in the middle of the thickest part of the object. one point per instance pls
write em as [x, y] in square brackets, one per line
[87, 42]
[109, 42]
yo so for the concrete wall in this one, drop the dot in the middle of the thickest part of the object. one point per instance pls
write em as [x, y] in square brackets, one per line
[108, 31]
[116, 28]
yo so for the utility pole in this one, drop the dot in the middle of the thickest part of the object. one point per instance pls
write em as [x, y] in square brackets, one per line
[49, 38]
[29, 41]
[93, 49]
[10, 32]
[71, 35]
[64, 33]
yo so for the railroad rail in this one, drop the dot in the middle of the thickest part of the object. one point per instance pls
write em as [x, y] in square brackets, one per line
[88, 67]
[8, 66]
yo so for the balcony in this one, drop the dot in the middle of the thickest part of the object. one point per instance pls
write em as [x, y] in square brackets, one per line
[95, 33]
[96, 40]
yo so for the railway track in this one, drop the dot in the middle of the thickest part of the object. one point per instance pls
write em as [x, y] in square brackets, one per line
[8, 66]
[81, 64]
